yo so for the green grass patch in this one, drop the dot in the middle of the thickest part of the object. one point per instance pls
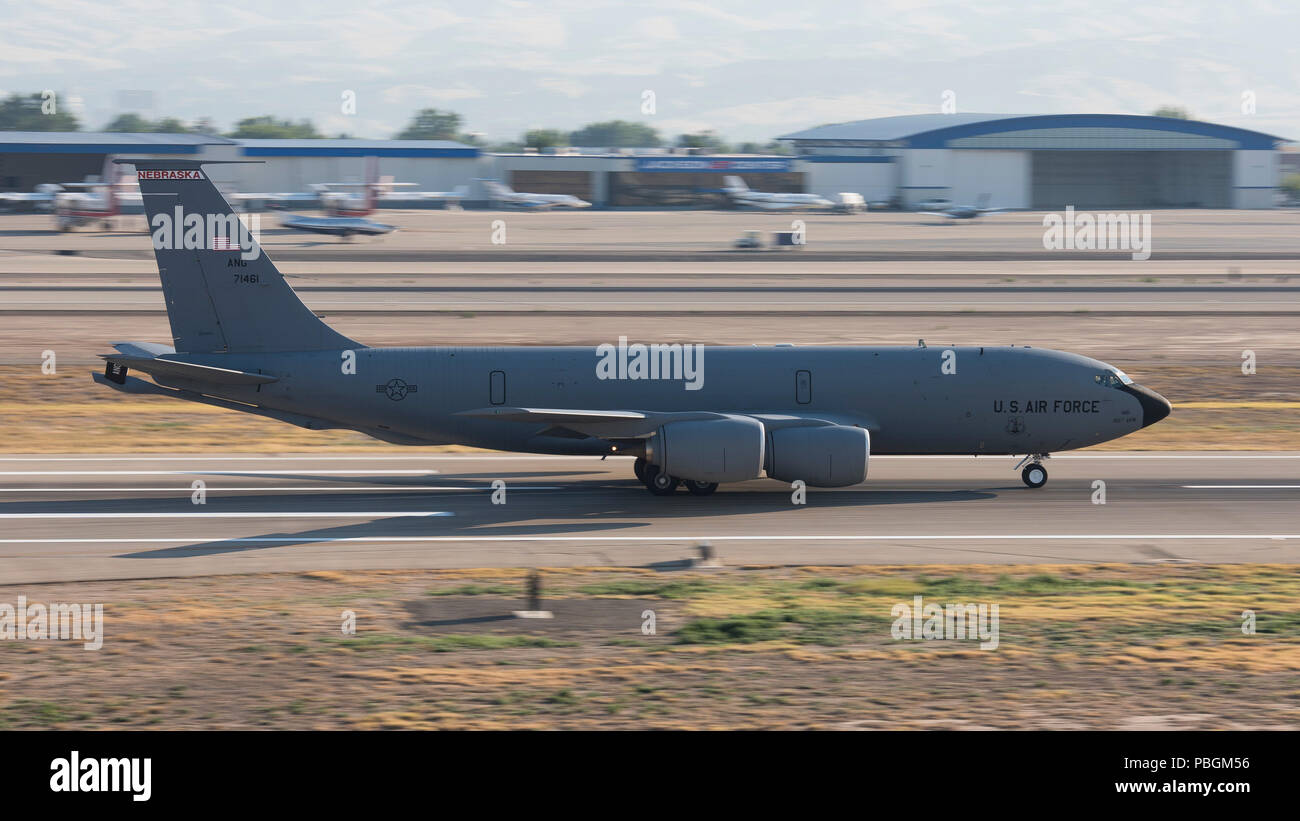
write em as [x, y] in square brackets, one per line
[803, 625]
[446, 643]
[678, 589]
[476, 590]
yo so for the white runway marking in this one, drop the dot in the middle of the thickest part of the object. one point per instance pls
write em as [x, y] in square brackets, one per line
[651, 539]
[212, 457]
[212, 472]
[272, 514]
[1243, 487]
[217, 488]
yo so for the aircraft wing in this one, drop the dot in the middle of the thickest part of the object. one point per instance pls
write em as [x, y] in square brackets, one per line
[424, 195]
[31, 201]
[284, 198]
[634, 424]
[524, 202]
[615, 424]
[936, 214]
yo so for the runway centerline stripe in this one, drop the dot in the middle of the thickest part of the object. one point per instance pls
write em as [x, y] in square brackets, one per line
[218, 489]
[674, 538]
[1243, 487]
[213, 472]
[249, 514]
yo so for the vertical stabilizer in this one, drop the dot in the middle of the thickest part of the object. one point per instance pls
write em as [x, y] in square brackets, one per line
[223, 293]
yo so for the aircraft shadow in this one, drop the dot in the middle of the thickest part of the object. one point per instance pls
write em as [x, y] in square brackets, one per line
[395, 527]
[582, 507]
[589, 507]
[427, 479]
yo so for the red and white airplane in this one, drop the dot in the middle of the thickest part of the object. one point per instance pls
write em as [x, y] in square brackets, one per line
[100, 202]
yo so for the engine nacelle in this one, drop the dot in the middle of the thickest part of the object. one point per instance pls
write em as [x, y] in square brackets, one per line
[709, 450]
[826, 456]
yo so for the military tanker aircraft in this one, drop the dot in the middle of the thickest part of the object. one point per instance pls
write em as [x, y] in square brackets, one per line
[692, 415]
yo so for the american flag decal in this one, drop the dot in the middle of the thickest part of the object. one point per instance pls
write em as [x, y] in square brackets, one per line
[224, 244]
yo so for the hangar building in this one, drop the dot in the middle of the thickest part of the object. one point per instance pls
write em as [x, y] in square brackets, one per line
[1044, 161]
[650, 179]
[294, 165]
[28, 158]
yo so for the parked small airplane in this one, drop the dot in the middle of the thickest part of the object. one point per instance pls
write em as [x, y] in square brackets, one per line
[39, 199]
[744, 197]
[503, 194]
[968, 212]
[100, 202]
[690, 414]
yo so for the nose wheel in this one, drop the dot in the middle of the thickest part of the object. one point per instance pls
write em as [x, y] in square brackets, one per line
[1034, 474]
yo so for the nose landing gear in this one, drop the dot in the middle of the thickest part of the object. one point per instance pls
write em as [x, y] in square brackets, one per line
[1034, 475]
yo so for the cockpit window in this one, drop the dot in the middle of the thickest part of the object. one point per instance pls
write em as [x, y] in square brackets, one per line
[1112, 379]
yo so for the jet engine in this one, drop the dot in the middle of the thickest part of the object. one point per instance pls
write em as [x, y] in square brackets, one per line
[825, 456]
[709, 450]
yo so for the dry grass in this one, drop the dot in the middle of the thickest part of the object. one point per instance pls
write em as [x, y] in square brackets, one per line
[1110, 646]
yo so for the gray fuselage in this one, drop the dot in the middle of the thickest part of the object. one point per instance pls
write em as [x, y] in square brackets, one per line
[922, 400]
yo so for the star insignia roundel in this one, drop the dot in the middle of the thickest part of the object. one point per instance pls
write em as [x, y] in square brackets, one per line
[396, 389]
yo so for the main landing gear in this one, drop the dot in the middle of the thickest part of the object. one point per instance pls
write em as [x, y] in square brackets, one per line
[661, 484]
[1034, 475]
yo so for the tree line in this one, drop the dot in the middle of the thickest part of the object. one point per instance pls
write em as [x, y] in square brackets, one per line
[27, 112]
[19, 112]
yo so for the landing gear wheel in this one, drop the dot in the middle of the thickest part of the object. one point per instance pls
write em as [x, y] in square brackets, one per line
[700, 488]
[660, 483]
[1034, 475]
[638, 467]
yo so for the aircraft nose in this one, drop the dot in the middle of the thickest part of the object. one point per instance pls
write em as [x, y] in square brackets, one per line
[1154, 406]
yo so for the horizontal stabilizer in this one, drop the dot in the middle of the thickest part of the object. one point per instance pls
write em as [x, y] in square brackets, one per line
[188, 370]
[143, 349]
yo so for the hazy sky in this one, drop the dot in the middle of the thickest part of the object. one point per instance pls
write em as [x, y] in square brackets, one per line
[750, 70]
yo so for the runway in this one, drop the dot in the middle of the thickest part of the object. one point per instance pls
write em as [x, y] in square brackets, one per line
[697, 236]
[81, 517]
[731, 300]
